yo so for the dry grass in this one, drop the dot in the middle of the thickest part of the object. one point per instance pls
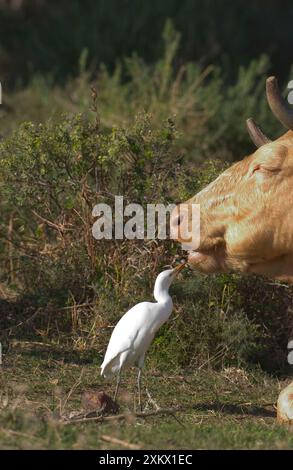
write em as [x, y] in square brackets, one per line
[228, 409]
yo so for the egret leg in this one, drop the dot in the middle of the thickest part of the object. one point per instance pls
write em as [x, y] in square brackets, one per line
[139, 388]
[117, 385]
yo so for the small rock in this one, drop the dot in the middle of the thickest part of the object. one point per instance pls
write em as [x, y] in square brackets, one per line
[93, 400]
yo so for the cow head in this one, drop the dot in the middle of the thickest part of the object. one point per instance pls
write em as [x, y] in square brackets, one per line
[246, 214]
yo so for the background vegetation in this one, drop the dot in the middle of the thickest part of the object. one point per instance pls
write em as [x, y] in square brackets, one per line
[153, 108]
[47, 36]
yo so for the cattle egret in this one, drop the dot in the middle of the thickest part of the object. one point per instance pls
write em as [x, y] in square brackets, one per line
[135, 331]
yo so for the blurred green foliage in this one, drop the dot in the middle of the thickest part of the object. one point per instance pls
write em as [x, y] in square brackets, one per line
[210, 115]
[48, 36]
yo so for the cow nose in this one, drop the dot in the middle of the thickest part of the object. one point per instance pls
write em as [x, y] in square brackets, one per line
[176, 220]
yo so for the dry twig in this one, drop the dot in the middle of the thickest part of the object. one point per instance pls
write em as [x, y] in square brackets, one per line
[114, 440]
[119, 417]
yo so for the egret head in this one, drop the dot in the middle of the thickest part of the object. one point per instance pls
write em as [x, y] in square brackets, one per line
[165, 278]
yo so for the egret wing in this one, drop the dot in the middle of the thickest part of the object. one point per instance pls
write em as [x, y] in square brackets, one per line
[126, 331]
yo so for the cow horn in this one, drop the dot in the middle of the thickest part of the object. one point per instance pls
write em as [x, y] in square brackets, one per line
[279, 106]
[256, 134]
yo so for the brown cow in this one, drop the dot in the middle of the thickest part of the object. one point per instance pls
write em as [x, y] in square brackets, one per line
[246, 214]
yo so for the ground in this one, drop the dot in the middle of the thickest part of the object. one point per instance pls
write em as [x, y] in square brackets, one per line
[228, 409]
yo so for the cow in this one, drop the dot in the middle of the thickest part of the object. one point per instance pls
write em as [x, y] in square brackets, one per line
[246, 214]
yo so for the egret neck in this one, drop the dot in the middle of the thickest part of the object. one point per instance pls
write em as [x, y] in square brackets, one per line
[162, 296]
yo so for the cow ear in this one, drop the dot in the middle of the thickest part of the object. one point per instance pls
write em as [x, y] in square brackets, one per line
[269, 159]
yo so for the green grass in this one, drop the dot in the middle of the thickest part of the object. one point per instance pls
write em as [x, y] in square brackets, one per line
[228, 409]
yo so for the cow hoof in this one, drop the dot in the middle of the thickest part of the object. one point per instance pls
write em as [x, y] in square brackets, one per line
[285, 406]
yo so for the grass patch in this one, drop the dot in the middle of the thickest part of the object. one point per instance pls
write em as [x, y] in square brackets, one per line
[229, 409]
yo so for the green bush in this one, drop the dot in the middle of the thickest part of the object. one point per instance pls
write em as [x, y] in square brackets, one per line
[54, 174]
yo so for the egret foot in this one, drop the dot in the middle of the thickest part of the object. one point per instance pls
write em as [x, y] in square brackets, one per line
[139, 389]
[117, 386]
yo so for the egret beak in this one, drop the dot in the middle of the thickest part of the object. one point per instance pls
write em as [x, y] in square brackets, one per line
[178, 268]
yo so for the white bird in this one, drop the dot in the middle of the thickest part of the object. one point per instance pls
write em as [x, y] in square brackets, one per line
[135, 331]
